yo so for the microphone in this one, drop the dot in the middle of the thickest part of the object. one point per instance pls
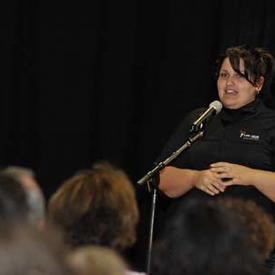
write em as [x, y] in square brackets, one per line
[213, 109]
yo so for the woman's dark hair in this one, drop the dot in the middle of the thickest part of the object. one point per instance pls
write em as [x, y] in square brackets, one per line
[258, 62]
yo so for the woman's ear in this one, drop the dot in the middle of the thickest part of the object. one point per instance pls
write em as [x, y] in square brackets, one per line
[260, 84]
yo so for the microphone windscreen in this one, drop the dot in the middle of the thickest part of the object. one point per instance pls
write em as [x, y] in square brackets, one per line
[217, 105]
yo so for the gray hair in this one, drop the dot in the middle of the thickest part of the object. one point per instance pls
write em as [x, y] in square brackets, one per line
[35, 198]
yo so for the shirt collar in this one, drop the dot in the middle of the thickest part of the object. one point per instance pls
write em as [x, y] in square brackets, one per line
[228, 115]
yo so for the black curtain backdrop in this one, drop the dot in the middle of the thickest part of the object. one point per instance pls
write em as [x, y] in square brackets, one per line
[110, 80]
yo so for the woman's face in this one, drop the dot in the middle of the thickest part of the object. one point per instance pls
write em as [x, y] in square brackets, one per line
[234, 90]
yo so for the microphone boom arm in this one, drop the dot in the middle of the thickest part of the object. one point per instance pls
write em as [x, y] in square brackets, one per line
[175, 154]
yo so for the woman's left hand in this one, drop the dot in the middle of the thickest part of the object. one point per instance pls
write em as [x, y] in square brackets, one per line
[234, 174]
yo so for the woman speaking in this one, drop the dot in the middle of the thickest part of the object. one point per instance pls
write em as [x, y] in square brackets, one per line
[236, 155]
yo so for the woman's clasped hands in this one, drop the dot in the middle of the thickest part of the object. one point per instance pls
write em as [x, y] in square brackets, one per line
[220, 175]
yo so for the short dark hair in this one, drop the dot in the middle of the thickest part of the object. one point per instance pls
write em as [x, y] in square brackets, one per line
[205, 238]
[258, 62]
[96, 206]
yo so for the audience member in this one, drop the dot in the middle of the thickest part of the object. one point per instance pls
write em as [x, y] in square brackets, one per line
[205, 238]
[96, 260]
[96, 206]
[26, 250]
[259, 224]
[35, 197]
[13, 201]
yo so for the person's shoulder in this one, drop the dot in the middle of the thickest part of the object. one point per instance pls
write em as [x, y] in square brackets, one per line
[186, 123]
[264, 108]
[192, 115]
[267, 118]
[195, 112]
[267, 112]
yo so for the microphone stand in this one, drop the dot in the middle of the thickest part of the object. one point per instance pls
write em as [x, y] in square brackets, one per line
[152, 180]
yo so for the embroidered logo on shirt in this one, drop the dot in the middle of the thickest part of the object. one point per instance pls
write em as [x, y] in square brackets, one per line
[251, 137]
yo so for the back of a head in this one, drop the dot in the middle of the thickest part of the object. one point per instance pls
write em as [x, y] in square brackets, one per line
[204, 237]
[95, 260]
[35, 197]
[27, 250]
[96, 206]
[260, 226]
[13, 201]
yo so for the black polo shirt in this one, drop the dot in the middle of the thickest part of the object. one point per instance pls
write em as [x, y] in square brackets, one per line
[245, 136]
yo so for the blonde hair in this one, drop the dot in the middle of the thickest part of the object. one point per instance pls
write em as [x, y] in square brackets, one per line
[95, 260]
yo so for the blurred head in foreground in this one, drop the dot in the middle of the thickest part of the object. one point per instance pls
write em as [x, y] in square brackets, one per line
[96, 206]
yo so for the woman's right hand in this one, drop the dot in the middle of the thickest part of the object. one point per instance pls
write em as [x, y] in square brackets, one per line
[209, 182]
